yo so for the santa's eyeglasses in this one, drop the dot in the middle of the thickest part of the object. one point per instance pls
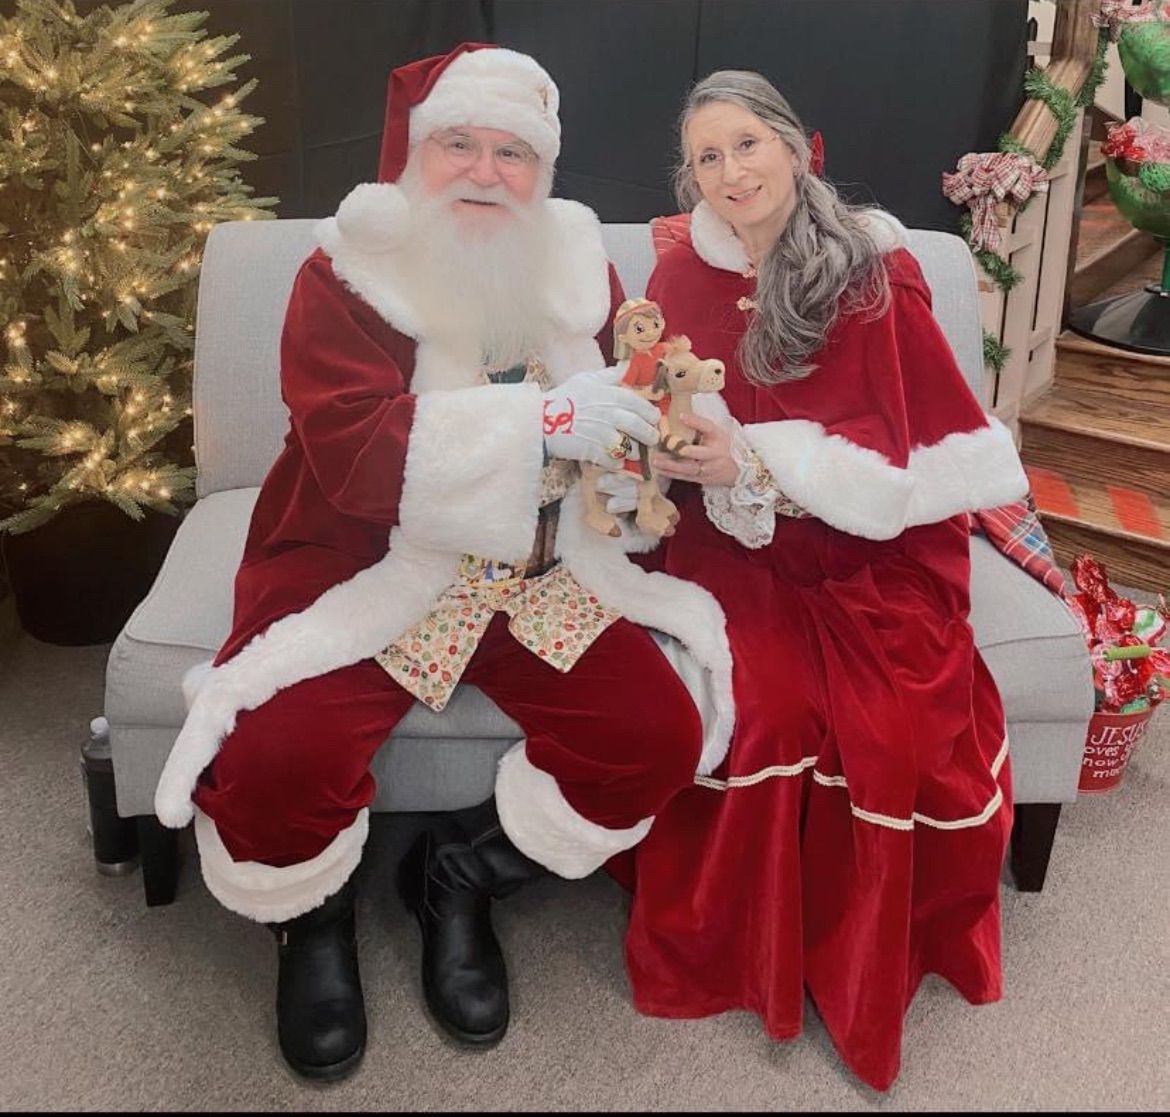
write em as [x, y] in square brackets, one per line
[464, 151]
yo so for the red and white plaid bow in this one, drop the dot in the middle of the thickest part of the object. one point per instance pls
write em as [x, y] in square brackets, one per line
[1115, 14]
[983, 181]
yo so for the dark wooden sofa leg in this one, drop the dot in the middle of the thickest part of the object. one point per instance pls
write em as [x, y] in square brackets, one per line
[159, 848]
[1032, 835]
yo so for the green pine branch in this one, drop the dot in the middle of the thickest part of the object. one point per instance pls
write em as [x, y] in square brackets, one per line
[121, 138]
[1064, 105]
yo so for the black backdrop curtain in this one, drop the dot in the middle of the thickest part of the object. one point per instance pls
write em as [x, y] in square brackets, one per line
[899, 88]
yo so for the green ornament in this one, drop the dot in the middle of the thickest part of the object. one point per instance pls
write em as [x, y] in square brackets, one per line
[1143, 208]
[1155, 176]
[1144, 49]
[1137, 706]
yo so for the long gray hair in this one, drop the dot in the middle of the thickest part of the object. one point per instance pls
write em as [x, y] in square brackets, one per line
[825, 259]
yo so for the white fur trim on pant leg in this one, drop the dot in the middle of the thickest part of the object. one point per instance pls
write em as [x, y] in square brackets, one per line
[269, 894]
[541, 824]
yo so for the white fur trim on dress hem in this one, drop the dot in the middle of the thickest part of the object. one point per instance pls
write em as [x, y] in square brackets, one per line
[269, 894]
[542, 825]
[473, 470]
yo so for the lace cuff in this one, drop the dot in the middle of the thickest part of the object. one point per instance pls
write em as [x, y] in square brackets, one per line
[747, 510]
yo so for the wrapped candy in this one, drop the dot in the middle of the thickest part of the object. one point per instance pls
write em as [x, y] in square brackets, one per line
[1137, 141]
[1130, 672]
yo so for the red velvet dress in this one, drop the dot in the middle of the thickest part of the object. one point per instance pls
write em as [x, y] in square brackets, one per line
[852, 840]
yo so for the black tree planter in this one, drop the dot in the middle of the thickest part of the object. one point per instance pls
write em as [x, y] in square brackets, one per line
[78, 578]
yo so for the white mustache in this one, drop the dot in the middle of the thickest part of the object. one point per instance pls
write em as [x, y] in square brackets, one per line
[466, 192]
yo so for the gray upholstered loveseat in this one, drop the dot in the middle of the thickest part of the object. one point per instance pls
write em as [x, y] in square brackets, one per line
[438, 761]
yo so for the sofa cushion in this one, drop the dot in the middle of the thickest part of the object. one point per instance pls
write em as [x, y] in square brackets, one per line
[1029, 640]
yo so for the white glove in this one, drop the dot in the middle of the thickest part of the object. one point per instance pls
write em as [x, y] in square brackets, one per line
[622, 491]
[586, 417]
[612, 374]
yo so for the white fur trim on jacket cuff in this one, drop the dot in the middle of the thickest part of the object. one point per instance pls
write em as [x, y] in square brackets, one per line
[857, 490]
[473, 471]
[269, 894]
[542, 825]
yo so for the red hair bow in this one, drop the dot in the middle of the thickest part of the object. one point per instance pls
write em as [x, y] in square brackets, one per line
[816, 154]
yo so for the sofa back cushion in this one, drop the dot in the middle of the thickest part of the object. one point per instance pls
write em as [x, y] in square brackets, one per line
[248, 271]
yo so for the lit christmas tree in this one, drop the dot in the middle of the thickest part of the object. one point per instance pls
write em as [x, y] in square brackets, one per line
[112, 172]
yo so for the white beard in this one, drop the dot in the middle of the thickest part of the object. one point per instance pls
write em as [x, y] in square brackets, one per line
[479, 286]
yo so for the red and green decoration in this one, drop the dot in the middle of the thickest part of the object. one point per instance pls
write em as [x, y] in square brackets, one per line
[1137, 169]
[1131, 669]
[1015, 174]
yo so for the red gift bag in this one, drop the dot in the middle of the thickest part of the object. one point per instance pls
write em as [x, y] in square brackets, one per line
[1108, 747]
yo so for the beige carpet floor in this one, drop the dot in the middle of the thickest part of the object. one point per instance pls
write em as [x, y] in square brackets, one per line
[108, 1005]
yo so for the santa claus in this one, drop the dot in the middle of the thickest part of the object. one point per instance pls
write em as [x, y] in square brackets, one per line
[442, 368]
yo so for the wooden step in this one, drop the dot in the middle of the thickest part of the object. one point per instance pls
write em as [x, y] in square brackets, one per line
[1080, 453]
[1141, 379]
[1127, 530]
[1136, 419]
[1125, 252]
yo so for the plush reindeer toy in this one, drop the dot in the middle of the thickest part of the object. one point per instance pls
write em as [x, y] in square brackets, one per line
[668, 374]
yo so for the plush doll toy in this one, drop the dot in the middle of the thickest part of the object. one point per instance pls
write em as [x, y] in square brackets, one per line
[668, 374]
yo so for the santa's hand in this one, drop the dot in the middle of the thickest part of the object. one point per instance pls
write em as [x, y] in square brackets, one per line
[588, 421]
[622, 490]
[612, 374]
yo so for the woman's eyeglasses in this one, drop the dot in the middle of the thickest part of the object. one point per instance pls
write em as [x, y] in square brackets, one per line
[747, 152]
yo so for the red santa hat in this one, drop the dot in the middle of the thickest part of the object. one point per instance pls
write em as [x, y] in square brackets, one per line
[476, 84]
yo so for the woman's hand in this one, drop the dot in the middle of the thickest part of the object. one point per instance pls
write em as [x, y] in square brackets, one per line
[708, 461]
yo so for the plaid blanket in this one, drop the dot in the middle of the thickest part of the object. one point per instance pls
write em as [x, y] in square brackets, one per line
[1015, 531]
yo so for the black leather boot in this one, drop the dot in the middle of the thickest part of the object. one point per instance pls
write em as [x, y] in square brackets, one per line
[448, 879]
[320, 1011]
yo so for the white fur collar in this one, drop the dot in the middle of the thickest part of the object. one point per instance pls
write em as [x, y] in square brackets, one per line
[715, 242]
[364, 238]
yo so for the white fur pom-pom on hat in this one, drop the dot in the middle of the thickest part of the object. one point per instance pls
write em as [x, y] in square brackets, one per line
[374, 217]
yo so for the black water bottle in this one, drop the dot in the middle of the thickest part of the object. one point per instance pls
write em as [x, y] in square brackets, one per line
[115, 839]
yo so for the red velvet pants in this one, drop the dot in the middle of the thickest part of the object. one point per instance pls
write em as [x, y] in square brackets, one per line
[619, 733]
